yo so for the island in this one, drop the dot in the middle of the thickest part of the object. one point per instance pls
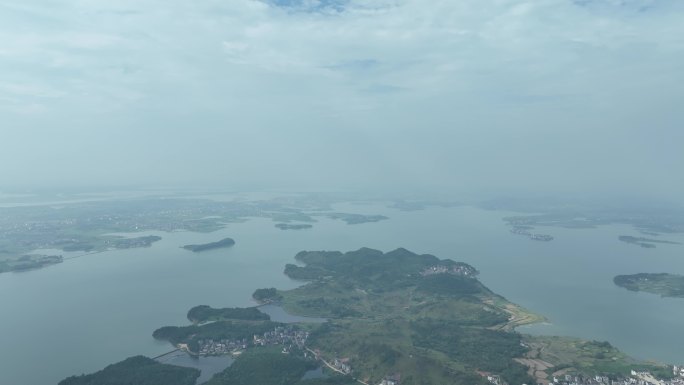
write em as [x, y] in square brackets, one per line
[87, 226]
[356, 219]
[265, 296]
[395, 318]
[663, 284]
[226, 242]
[289, 226]
[576, 361]
[648, 243]
[525, 231]
[646, 218]
[29, 262]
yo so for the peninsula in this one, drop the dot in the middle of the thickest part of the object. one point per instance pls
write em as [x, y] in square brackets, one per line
[356, 219]
[137, 370]
[644, 242]
[394, 318]
[663, 284]
[395, 313]
[29, 262]
[227, 242]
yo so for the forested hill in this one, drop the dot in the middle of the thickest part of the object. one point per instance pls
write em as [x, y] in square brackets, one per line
[137, 370]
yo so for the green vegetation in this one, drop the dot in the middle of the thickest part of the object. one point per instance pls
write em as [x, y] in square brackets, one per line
[204, 313]
[367, 265]
[268, 366]
[290, 215]
[654, 220]
[400, 312]
[266, 295]
[226, 242]
[450, 285]
[427, 319]
[231, 330]
[575, 356]
[305, 273]
[397, 313]
[29, 262]
[356, 219]
[86, 225]
[127, 243]
[334, 380]
[371, 283]
[264, 366]
[484, 349]
[663, 284]
[377, 348]
[137, 370]
[644, 242]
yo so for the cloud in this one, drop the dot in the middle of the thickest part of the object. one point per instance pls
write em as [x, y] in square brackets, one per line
[475, 73]
[310, 5]
[406, 44]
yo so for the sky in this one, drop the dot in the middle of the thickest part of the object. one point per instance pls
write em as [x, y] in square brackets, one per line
[477, 96]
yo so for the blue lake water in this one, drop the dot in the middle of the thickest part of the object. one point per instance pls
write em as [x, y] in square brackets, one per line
[79, 316]
[314, 373]
[208, 366]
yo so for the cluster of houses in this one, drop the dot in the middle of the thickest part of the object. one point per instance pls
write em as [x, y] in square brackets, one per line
[394, 379]
[463, 270]
[211, 347]
[636, 378]
[342, 364]
[288, 337]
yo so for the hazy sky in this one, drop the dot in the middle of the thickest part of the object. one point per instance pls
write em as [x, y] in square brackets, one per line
[448, 95]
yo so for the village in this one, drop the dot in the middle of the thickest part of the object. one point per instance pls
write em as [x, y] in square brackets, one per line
[288, 337]
[459, 269]
[635, 378]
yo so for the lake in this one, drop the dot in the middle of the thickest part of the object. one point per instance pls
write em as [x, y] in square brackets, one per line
[88, 312]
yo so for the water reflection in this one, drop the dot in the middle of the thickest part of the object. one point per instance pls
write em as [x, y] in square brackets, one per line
[314, 373]
[208, 366]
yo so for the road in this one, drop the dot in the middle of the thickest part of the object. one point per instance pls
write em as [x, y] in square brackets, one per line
[334, 368]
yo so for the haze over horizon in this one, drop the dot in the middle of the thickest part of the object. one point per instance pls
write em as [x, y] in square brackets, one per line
[546, 97]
